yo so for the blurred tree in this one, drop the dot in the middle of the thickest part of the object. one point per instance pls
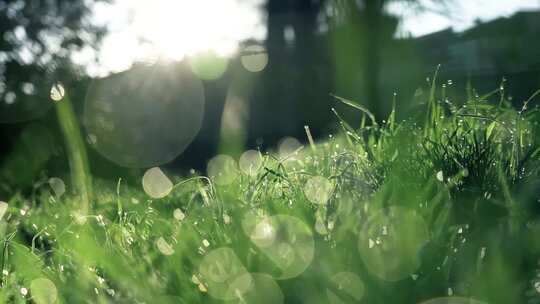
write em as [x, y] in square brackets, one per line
[38, 39]
[360, 32]
[289, 88]
[371, 26]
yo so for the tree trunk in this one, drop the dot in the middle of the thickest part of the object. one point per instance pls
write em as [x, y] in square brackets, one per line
[373, 14]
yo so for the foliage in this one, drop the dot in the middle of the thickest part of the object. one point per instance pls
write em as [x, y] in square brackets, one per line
[456, 195]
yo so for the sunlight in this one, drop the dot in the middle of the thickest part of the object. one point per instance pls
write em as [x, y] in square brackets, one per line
[173, 29]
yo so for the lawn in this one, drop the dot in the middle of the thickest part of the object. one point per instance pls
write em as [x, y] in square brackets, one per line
[440, 208]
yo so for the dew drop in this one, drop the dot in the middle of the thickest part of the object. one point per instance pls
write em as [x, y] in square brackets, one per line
[164, 247]
[440, 176]
[57, 92]
[178, 214]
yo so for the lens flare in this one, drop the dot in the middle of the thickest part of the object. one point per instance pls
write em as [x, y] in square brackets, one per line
[264, 290]
[57, 92]
[255, 58]
[286, 241]
[156, 184]
[43, 291]
[318, 190]
[225, 275]
[208, 65]
[222, 169]
[346, 284]
[146, 116]
[288, 146]
[390, 242]
[250, 162]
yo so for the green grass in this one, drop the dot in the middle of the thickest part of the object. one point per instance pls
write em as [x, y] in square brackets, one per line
[445, 204]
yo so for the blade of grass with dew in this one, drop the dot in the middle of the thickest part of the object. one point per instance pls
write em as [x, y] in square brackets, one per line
[76, 150]
[358, 107]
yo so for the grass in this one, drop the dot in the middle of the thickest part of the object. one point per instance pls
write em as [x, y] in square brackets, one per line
[445, 205]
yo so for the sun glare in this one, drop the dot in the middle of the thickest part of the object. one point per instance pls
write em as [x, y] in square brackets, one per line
[174, 29]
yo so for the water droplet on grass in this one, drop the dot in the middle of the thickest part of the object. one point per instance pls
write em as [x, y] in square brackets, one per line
[178, 214]
[202, 288]
[164, 247]
[440, 176]
[57, 92]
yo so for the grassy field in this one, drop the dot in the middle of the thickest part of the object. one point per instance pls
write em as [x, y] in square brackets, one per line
[442, 208]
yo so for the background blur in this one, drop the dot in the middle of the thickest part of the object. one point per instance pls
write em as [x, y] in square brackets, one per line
[260, 70]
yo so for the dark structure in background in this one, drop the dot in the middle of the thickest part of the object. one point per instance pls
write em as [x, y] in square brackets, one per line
[37, 39]
[341, 52]
[488, 52]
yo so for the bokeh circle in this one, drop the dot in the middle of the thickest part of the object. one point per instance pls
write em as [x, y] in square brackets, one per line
[286, 241]
[146, 116]
[390, 242]
[225, 275]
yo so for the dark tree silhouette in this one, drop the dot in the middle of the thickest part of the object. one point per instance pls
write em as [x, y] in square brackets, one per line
[289, 83]
[359, 32]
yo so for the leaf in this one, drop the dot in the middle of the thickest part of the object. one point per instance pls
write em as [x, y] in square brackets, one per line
[358, 107]
[490, 129]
